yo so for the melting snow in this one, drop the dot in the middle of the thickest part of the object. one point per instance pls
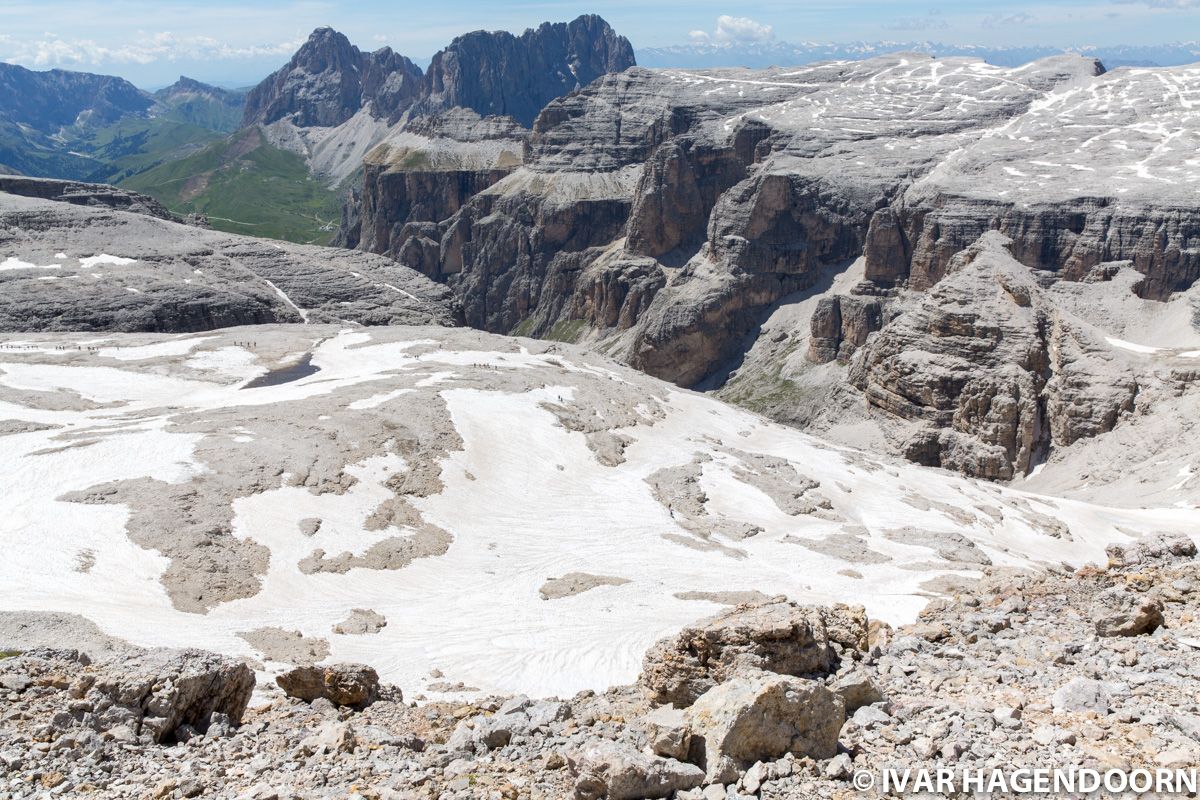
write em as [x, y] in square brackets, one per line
[1135, 348]
[104, 258]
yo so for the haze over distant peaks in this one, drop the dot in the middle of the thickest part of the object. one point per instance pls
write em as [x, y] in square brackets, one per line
[758, 55]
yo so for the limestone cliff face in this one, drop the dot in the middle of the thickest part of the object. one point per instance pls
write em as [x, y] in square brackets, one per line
[768, 236]
[915, 244]
[984, 372]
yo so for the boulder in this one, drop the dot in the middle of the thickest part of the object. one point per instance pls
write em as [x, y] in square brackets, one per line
[1082, 695]
[777, 636]
[762, 718]
[619, 772]
[488, 733]
[1120, 612]
[157, 692]
[341, 684]
[1160, 548]
[857, 690]
[668, 733]
[331, 738]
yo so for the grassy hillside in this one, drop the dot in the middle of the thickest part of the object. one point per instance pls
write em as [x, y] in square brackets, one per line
[134, 145]
[205, 114]
[30, 153]
[245, 185]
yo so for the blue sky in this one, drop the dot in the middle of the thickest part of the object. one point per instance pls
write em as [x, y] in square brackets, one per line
[153, 41]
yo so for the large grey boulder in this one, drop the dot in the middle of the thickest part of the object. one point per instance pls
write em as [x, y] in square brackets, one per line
[1120, 612]
[340, 684]
[619, 772]
[982, 371]
[668, 733]
[1160, 548]
[761, 718]
[778, 636]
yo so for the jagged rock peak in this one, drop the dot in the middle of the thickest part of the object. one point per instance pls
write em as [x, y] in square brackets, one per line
[516, 76]
[329, 80]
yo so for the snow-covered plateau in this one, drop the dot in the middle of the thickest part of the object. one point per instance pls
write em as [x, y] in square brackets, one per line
[525, 516]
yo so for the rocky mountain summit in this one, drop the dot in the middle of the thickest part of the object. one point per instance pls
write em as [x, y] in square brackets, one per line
[499, 74]
[492, 73]
[1072, 669]
[328, 80]
[333, 103]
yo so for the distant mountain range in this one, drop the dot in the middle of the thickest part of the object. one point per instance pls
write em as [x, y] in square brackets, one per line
[765, 54]
[80, 126]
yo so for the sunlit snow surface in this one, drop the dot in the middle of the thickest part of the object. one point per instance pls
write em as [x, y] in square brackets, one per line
[524, 498]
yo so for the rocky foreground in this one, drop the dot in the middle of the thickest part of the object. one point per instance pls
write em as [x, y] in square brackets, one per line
[1087, 668]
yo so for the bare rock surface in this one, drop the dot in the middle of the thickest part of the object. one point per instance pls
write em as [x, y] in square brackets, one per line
[361, 621]
[71, 267]
[155, 696]
[340, 684]
[575, 583]
[621, 772]
[748, 719]
[779, 636]
[292, 647]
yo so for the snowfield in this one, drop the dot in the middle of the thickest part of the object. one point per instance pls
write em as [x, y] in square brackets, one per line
[441, 478]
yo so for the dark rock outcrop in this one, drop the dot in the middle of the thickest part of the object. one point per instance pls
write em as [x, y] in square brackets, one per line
[499, 74]
[329, 80]
[840, 325]
[85, 194]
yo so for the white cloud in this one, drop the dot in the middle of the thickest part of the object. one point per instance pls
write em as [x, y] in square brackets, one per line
[734, 29]
[931, 21]
[147, 49]
[1001, 20]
